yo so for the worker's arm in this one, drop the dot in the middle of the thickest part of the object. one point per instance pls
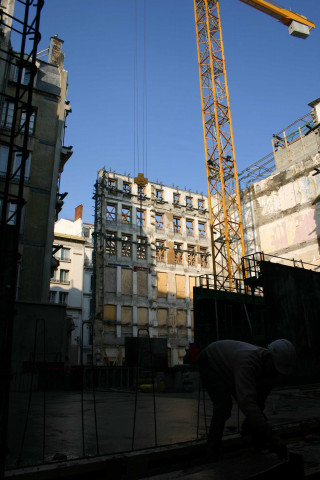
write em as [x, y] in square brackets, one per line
[246, 380]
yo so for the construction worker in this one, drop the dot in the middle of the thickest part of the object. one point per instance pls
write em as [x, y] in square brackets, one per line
[229, 368]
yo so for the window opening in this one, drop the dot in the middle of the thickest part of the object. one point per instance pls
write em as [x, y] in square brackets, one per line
[159, 221]
[176, 224]
[111, 212]
[176, 198]
[189, 227]
[189, 202]
[159, 195]
[160, 251]
[142, 248]
[126, 247]
[126, 214]
[178, 253]
[111, 243]
[140, 218]
[202, 230]
[7, 114]
[191, 255]
[126, 187]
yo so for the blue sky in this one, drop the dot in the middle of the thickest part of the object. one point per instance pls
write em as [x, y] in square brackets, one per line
[271, 76]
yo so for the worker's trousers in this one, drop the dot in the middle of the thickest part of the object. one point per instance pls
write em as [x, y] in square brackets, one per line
[220, 395]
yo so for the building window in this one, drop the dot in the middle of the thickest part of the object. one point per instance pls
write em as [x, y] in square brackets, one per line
[159, 195]
[202, 230]
[25, 75]
[126, 215]
[189, 202]
[204, 257]
[201, 204]
[142, 248]
[140, 218]
[111, 212]
[53, 296]
[7, 114]
[160, 251]
[65, 253]
[111, 243]
[63, 298]
[191, 255]
[140, 191]
[159, 221]
[4, 153]
[189, 227]
[176, 224]
[112, 183]
[64, 276]
[126, 187]
[12, 213]
[178, 253]
[176, 198]
[126, 246]
[17, 166]
[31, 122]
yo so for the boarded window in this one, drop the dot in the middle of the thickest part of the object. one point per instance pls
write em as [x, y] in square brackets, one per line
[180, 286]
[192, 283]
[126, 281]
[162, 285]
[110, 279]
[142, 288]
[181, 318]
[110, 313]
[162, 314]
[126, 321]
[142, 316]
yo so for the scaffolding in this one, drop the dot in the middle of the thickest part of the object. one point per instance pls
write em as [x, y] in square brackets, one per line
[18, 52]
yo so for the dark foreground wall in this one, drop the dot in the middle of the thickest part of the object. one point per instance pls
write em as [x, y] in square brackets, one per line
[292, 297]
[289, 309]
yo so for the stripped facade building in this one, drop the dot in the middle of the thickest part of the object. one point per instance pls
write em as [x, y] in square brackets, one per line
[152, 242]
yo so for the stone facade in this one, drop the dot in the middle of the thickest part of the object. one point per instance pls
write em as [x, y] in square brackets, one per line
[152, 244]
[41, 197]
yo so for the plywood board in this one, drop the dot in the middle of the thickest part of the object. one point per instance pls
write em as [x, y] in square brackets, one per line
[162, 285]
[162, 315]
[126, 281]
[142, 280]
[180, 286]
[110, 279]
[142, 316]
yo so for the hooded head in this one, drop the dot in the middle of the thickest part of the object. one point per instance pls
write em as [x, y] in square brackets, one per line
[283, 356]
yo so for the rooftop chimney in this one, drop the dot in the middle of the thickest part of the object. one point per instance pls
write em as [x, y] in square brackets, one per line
[78, 212]
[56, 57]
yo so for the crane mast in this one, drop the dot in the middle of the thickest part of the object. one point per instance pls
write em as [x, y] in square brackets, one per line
[222, 180]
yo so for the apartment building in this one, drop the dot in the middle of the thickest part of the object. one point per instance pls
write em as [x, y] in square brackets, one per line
[71, 283]
[41, 199]
[152, 242]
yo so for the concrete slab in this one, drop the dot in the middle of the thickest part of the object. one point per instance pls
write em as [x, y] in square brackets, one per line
[63, 432]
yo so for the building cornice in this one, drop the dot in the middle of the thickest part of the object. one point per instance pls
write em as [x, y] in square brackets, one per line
[73, 238]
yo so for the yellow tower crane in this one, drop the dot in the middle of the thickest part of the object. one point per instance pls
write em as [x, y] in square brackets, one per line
[226, 227]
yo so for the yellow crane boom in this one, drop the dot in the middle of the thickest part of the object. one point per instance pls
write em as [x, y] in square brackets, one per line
[226, 226]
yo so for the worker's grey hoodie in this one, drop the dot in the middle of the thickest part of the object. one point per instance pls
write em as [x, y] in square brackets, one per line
[241, 366]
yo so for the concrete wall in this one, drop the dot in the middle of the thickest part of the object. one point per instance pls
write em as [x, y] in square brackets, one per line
[281, 213]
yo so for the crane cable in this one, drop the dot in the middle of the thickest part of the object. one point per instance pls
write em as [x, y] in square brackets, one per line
[140, 92]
